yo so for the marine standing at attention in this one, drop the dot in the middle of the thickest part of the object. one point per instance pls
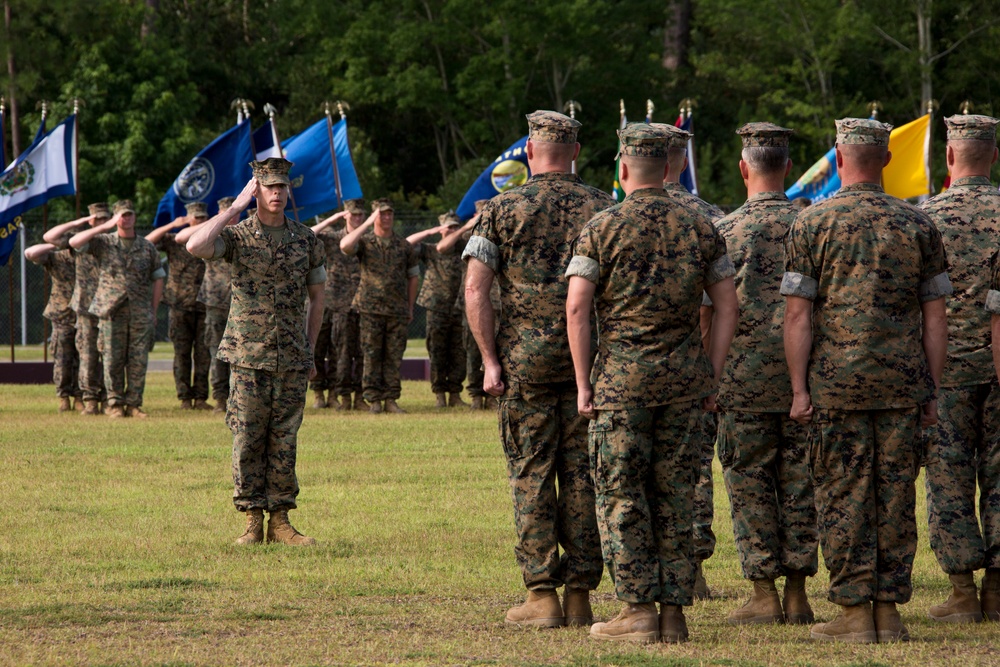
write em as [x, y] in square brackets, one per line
[277, 266]
[523, 241]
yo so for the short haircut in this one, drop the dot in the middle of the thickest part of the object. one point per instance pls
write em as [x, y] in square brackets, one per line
[766, 159]
[676, 156]
[864, 156]
[551, 150]
[645, 169]
[973, 152]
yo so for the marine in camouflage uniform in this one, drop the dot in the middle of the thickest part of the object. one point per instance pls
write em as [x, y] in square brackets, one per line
[438, 293]
[762, 450]
[704, 502]
[388, 287]
[60, 267]
[523, 238]
[865, 281]
[187, 315]
[277, 264]
[965, 444]
[990, 465]
[91, 365]
[338, 348]
[215, 294]
[128, 292]
[644, 264]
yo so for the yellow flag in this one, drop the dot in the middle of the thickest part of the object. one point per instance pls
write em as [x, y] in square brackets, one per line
[906, 174]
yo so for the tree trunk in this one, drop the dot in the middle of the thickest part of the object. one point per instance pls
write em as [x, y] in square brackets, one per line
[677, 35]
[149, 19]
[15, 122]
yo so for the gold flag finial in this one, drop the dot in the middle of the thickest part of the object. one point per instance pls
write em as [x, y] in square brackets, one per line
[966, 107]
[650, 108]
[342, 108]
[572, 107]
[873, 108]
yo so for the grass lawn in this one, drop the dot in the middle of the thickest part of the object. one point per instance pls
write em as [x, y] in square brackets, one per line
[116, 548]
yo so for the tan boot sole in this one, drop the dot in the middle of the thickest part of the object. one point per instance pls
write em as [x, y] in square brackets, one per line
[800, 619]
[579, 621]
[764, 619]
[962, 617]
[850, 637]
[648, 637]
[551, 622]
[889, 636]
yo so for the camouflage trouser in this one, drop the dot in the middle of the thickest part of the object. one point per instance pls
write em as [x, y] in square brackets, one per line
[323, 355]
[125, 338]
[765, 465]
[704, 502]
[864, 467]
[446, 350]
[88, 335]
[346, 335]
[215, 327]
[66, 361]
[383, 342]
[473, 361]
[545, 444]
[264, 413]
[187, 333]
[963, 446]
[645, 465]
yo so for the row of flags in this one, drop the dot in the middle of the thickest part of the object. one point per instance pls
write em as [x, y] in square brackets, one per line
[688, 178]
[322, 179]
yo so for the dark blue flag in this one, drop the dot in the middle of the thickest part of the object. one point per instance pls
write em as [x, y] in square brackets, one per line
[220, 170]
[509, 170]
[315, 177]
[45, 170]
[265, 141]
[3, 132]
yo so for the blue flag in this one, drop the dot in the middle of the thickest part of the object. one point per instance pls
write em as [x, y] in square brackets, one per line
[220, 170]
[45, 170]
[821, 181]
[689, 177]
[315, 177]
[509, 170]
[3, 131]
[265, 141]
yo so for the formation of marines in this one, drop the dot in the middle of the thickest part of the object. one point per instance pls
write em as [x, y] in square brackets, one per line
[827, 352]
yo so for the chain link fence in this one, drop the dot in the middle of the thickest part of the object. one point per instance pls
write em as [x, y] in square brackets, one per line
[29, 299]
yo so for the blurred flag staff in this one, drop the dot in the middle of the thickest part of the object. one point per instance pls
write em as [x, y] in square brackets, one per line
[685, 121]
[616, 190]
[571, 108]
[266, 143]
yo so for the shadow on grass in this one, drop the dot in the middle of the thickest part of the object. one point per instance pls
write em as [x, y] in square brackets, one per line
[161, 584]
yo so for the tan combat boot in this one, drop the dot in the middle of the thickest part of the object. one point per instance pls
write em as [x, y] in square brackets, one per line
[962, 606]
[220, 405]
[359, 402]
[762, 607]
[64, 404]
[341, 402]
[576, 607]
[796, 603]
[185, 404]
[375, 407]
[78, 404]
[439, 400]
[455, 401]
[477, 403]
[673, 626]
[701, 589]
[116, 412]
[392, 408]
[991, 594]
[320, 401]
[888, 624]
[635, 623]
[91, 408]
[135, 411]
[540, 610]
[254, 533]
[280, 530]
[202, 404]
[854, 624]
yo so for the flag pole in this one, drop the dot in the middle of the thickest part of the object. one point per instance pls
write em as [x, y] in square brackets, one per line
[650, 108]
[571, 107]
[10, 268]
[76, 151]
[333, 151]
[271, 112]
[45, 275]
[929, 146]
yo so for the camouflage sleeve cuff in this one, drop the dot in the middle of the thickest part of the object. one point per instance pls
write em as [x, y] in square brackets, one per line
[937, 287]
[585, 267]
[82, 249]
[413, 272]
[721, 269]
[220, 248]
[706, 300]
[796, 284]
[484, 250]
[993, 301]
[159, 273]
[316, 276]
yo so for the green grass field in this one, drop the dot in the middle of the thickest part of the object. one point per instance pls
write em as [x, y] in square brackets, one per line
[116, 548]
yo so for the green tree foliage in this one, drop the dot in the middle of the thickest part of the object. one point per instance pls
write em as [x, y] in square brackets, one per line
[437, 88]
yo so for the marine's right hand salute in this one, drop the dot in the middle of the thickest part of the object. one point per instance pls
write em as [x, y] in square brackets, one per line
[202, 242]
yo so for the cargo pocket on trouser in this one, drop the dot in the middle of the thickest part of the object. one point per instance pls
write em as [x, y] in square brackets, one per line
[514, 434]
[599, 434]
[826, 448]
[726, 444]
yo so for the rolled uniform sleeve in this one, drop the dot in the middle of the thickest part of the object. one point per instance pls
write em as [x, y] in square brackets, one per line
[156, 268]
[484, 244]
[226, 245]
[585, 262]
[934, 281]
[800, 277]
[317, 263]
[720, 266]
[993, 296]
